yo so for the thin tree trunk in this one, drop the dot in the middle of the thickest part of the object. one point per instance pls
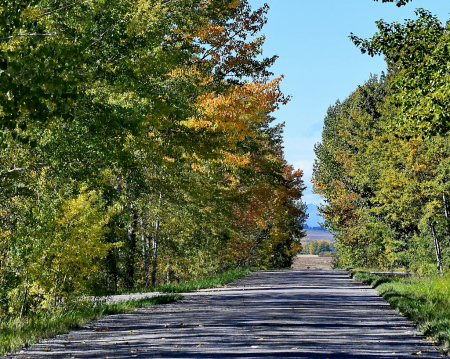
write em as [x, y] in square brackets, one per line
[145, 252]
[155, 257]
[132, 248]
[437, 247]
[24, 298]
[155, 246]
[447, 214]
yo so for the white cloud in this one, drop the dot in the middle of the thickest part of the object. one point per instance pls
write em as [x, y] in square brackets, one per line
[307, 167]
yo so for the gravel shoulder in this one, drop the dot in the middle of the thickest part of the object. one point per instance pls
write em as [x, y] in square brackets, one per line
[271, 314]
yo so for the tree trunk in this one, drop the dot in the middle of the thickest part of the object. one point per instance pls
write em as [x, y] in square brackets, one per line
[22, 309]
[447, 214]
[131, 257]
[437, 247]
[145, 253]
[155, 257]
[155, 246]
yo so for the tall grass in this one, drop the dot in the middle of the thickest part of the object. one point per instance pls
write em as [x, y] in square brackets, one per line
[218, 280]
[21, 332]
[425, 301]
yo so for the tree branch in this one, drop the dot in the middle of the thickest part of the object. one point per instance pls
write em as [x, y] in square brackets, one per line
[9, 172]
[61, 8]
[12, 37]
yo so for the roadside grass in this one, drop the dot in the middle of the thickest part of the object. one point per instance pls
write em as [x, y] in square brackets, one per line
[216, 281]
[17, 333]
[22, 332]
[425, 301]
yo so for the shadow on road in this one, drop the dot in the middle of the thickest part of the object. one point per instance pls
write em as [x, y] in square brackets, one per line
[273, 314]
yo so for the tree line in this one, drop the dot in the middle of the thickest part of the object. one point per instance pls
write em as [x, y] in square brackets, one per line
[316, 247]
[383, 165]
[137, 148]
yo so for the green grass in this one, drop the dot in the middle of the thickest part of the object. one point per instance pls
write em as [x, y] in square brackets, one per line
[425, 301]
[218, 280]
[17, 333]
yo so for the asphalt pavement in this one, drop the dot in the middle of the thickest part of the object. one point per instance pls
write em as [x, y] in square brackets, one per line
[311, 314]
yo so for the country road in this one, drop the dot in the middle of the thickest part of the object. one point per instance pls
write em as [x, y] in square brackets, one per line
[274, 314]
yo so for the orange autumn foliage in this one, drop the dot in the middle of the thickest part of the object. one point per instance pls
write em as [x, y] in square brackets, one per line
[268, 212]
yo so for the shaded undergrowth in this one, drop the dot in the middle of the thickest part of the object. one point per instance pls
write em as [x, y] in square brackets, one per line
[425, 301]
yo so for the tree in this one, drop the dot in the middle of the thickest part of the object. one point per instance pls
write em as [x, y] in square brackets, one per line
[417, 52]
[136, 121]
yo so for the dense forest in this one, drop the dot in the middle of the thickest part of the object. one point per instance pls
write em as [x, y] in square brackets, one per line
[383, 165]
[137, 148]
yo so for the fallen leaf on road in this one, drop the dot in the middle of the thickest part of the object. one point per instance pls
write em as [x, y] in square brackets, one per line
[132, 332]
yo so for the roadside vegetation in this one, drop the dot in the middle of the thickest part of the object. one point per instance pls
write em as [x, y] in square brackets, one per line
[383, 171]
[17, 333]
[425, 301]
[383, 164]
[216, 281]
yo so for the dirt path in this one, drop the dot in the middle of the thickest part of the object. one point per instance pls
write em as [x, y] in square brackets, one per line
[305, 261]
[275, 314]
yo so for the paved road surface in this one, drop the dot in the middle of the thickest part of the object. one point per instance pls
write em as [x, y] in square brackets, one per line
[274, 314]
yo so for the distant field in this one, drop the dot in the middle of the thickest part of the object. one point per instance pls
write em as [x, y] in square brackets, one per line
[306, 261]
[314, 234]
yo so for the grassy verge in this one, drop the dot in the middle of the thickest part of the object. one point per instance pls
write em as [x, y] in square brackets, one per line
[218, 280]
[17, 333]
[425, 301]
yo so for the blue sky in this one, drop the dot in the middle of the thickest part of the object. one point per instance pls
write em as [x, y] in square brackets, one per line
[321, 64]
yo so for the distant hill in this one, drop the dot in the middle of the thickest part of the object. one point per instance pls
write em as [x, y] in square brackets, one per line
[313, 229]
[314, 235]
[314, 217]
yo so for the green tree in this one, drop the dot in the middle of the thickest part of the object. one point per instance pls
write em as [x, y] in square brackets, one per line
[417, 52]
